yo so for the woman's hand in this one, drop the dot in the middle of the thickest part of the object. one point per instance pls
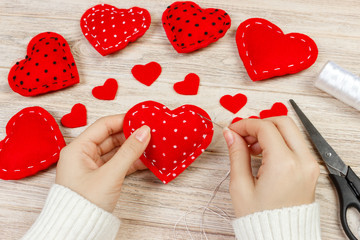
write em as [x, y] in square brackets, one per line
[95, 164]
[289, 171]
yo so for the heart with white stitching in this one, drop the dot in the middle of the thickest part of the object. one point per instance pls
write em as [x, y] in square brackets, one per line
[178, 136]
[110, 29]
[33, 142]
[267, 52]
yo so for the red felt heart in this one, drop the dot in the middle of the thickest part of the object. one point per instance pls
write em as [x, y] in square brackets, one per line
[146, 74]
[233, 103]
[190, 27]
[266, 52]
[178, 136]
[107, 91]
[189, 86]
[48, 66]
[33, 142]
[110, 29]
[278, 109]
[236, 119]
[76, 118]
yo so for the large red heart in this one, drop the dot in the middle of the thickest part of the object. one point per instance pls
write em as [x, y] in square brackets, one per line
[277, 109]
[233, 103]
[107, 91]
[76, 118]
[146, 74]
[48, 66]
[110, 29]
[189, 27]
[266, 52]
[33, 142]
[189, 86]
[178, 137]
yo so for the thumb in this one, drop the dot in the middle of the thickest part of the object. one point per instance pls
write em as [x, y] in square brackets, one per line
[241, 178]
[129, 152]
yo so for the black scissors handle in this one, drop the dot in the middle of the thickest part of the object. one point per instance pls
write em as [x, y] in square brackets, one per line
[349, 196]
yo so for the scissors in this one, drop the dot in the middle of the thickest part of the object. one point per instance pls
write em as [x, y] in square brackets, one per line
[346, 182]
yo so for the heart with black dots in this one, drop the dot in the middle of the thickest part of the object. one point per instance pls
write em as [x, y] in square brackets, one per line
[189, 27]
[178, 136]
[48, 66]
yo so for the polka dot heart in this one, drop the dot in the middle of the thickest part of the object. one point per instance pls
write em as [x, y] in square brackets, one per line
[178, 136]
[33, 142]
[109, 29]
[267, 52]
[48, 66]
[189, 27]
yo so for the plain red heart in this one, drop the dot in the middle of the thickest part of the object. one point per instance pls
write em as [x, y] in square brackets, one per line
[48, 66]
[190, 27]
[236, 119]
[76, 118]
[146, 74]
[178, 136]
[233, 103]
[106, 91]
[266, 52]
[33, 142]
[110, 29]
[277, 109]
[189, 86]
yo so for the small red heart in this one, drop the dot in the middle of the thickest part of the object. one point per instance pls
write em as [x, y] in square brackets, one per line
[146, 74]
[106, 91]
[267, 52]
[278, 109]
[233, 103]
[76, 118]
[110, 29]
[178, 136]
[48, 66]
[190, 27]
[33, 142]
[189, 86]
[236, 119]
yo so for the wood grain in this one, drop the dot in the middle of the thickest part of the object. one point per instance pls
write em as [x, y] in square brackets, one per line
[148, 208]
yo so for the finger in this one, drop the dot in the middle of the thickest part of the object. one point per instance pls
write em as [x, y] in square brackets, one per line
[250, 140]
[137, 165]
[255, 149]
[102, 129]
[290, 133]
[129, 152]
[240, 162]
[106, 157]
[268, 136]
[111, 142]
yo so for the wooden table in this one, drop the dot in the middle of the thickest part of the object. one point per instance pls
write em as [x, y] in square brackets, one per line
[148, 208]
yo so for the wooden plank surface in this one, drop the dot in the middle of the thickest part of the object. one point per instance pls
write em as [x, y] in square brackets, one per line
[149, 209]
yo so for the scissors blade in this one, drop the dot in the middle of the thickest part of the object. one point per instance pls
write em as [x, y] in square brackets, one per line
[327, 153]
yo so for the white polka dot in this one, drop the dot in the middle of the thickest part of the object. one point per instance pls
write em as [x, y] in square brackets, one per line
[93, 8]
[164, 154]
[132, 14]
[113, 25]
[186, 138]
[123, 22]
[133, 20]
[154, 146]
[174, 174]
[202, 150]
[183, 165]
[184, 121]
[102, 15]
[175, 130]
[164, 182]
[135, 31]
[86, 34]
[164, 121]
[195, 129]
[174, 146]
[163, 169]
[104, 30]
[112, 9]
[112, 17]
[93, 28]
[192, 157]
[184, 153]
[175, 162]
[102, 22]
[164, 138]
[142, 122]
[125, 32]
[105, 40]
[115, 35]
[93, 20]
[194, 144]
[153, 130]
[203, 121]
[93, 14]
[163, 106]
[154, 160]
[153, 114]
[84, 19]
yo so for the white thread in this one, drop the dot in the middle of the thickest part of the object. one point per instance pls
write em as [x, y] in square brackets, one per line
[340, 83]
[218, 211]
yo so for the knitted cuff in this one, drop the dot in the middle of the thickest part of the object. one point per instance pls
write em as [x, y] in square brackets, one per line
[299, 222]
[67, 215]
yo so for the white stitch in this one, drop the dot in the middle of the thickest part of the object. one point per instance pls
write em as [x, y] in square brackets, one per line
[276, 68]
[278, 31]
[309, 48]
[157, 108]
[247, 53]
[31, 111]
[265, 71]
[247, 26]
[21, 115]
[183, 161]
[255, 71]
[54, 154]
[55, 138]
[168, 174]
[4, 170]
[291, 65]
[269, 26]
[174, 175]
[243, 44]
[309, 56]
[168, 114]
[160, 172]
[258, 23]
[301, 62]
[174, 168]
[17, 170]
[250, 63]
[45, 119]
[7, 140]
[42, 161]
[135, 113]
[175, 162]
[292, 37]
[30, 166]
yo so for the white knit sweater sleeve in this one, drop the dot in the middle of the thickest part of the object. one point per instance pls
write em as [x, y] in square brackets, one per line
[67, 215]
[294, 223]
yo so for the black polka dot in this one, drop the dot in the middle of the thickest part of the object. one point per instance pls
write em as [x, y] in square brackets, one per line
[26, 56]
[174, 40]
[29, 59]
[203, 18]
[29, 89]
[219, 18]
[37, 50]
[196, 25]
[21, 68]
[213, 23]
[199, 41]
[227, 23]
[192, 6]
[170, 16]
[45, 70]
[178, 18]
[206, 33]
[54, 62]
[55, 50]
[14, 77]
[64, 70]
[28, 73]
[21, 82]
[37, 79]
[45, 55]
[47, 43]
[73, 64]
[175, 8]
[187, 21]
[216, 10]
[65, 58]
[55, 78]
[36, 64]
[221, 31]
[172, 29]
[56, 39]
[225, 14]
[64, 44]
[189, 34]
[195, 14]
[168, 6]
[182, 44]
[180, 30]
[17, 63]
[184, 10]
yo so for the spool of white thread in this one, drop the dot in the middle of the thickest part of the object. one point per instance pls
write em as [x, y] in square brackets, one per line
[340, 83]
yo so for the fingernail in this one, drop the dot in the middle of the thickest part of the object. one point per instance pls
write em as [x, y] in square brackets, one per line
[142, 133]
[229, 136]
